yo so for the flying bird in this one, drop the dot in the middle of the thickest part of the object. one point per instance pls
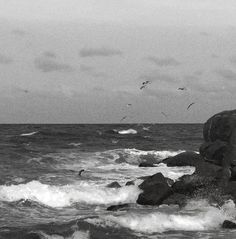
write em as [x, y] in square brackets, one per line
[123, 118]
[144, 84]
[182, 88]
[164, 114]
[190, 105]
[128, 105]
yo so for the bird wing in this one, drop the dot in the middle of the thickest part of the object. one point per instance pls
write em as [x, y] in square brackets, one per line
[190, 105]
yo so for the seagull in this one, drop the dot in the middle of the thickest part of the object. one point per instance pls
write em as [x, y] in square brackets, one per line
[123, 118]
[190, 105]
[164, 114]
[182, 88]
[128, 105]
[144, 84]
[80, 172]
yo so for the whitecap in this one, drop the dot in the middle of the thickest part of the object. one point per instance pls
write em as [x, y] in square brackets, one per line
[75, 235]
[29, 134]
[127, 131]
[200, 218]
[62, 196]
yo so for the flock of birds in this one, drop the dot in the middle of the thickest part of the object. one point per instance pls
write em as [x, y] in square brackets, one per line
[143, 86]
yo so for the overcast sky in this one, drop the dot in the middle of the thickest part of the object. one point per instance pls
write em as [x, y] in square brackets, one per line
[83, 61]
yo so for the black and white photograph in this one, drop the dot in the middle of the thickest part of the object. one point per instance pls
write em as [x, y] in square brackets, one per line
[117, 119]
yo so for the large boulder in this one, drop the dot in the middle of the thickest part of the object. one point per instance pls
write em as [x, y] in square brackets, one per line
[219, 133]
[155, 190]
[183, 159]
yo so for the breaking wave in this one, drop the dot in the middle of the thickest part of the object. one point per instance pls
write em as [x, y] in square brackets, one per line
[62, 196]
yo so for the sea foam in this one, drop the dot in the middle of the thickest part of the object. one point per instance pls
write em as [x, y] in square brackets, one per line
[62, 196]
[201, 218]
[127, 131]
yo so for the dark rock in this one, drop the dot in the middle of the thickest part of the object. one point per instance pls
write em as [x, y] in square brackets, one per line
[145, 164]
[228, 225]
[155, 190]
[176, 199]
[230, 189]
[220, 126]
[189, 184]
[129, 183]
[233, 174]
[114, 185]
[118, 207]
[213, 151]
[207, 169]
[183, 159]
[32, 235]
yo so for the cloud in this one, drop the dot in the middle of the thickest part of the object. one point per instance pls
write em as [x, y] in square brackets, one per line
[227, 74]
[233, 59]
[157, 77]
[92, 71]
[19, 32]
[46, 65]
[168, 61]
[49, 54]
[99, 52]
[5, 60]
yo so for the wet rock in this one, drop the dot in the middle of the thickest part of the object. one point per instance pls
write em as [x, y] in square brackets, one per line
[155, 190]
[118, 207]
[228, 225]
[183, 159]
[145, 164]
[114, 185]
[176, 199]
[129, 183]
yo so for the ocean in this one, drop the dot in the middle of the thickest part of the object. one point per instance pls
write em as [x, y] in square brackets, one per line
[44, 195]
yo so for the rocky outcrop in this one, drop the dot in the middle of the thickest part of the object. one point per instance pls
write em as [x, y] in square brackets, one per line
[114, 185]
[229, 225]
[155, 190]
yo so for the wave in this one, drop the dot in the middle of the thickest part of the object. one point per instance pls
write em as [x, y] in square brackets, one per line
[75, 235]
[29, 134]
[127, 131]
[62, 196]
[75, 144]
[200, 218]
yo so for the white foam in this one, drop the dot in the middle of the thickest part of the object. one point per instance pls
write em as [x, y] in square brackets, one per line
[29, 134]
[62, 196]
[127, 131]
[75, 144]
[206, 217]
[75, 235]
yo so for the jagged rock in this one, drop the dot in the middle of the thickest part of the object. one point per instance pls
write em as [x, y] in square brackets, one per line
[114, 185]
[145, 164]
[228, 225]
[183, 159]
[118, 207]
[155, 190]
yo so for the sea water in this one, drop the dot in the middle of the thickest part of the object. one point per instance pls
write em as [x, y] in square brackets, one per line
[44, 195]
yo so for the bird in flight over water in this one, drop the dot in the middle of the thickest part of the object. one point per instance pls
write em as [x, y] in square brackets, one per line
[190, 105]
[144, 84]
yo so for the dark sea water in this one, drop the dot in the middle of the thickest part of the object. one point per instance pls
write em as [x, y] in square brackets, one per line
[42, 194]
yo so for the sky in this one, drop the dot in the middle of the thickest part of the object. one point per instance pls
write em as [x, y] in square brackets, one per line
[84, 61]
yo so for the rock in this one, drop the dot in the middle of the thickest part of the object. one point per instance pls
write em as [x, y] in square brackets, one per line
[183, 159]
[228, 225]
[220, 126]
[114, 185]
[230, 189]
[176, 199]
[189, 184]
[118, 207]
[233, 174]
[145, 164]
[213, 151]
[129, 183]
[219, 133]
[155, 190]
